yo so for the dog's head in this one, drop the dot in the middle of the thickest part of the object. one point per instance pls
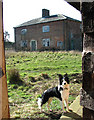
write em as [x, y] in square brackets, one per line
[63, 80]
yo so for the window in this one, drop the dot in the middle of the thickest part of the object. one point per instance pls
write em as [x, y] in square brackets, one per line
[81, 26]
[46, 42]
[23, 31]
[59, 44]
[71, 35]
[45, 29]
[24, 43]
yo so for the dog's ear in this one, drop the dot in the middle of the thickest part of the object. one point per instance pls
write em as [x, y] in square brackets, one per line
[66, 75]
[66, 78]
[60, 78]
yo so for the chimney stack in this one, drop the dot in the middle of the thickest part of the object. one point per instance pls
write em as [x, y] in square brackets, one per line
[45, 13]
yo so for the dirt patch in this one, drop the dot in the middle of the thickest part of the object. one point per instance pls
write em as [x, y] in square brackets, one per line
[51, 115]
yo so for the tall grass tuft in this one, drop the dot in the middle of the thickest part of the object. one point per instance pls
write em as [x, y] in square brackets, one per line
[14, 76]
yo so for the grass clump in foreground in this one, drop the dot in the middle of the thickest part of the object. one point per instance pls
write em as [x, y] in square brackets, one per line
[14, 76]
[38, 72]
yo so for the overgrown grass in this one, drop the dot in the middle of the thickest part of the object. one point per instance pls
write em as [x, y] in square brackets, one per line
[33, 66]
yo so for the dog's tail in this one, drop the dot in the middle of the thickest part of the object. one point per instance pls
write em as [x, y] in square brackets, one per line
[39, 103]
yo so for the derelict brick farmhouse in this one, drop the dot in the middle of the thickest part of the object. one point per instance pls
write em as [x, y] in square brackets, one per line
[56, 32]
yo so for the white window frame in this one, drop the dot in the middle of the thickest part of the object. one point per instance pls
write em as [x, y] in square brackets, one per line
[46, 42]
[24, 43]
[59, 43]
[23, 31]
[46, 28]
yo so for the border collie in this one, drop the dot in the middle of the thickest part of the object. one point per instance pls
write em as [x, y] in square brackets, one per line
[61, 92]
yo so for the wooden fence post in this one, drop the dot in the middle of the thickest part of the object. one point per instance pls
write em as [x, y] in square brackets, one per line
[4, 107]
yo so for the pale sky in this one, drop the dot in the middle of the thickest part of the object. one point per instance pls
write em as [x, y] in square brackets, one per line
[16, 12]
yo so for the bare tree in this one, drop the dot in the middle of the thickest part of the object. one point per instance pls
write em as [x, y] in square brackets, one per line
[6, 36]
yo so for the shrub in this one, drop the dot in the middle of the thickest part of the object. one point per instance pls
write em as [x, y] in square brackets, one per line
[14, 76]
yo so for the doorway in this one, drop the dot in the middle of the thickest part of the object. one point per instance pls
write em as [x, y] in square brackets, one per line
[33, 45]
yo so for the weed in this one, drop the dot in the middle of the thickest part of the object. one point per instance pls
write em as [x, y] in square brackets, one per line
[14, 76]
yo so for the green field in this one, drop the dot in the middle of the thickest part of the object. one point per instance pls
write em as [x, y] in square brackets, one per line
[32, 68]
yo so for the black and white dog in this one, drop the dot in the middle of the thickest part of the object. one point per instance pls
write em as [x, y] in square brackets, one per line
[61, 92]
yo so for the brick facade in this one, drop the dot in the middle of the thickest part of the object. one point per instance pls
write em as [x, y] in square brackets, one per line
[61, 35]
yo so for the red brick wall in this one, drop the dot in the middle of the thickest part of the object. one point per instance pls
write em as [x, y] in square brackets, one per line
[59, 31]
[73, 35]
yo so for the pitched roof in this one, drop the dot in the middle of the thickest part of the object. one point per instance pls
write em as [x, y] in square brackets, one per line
[46, 19]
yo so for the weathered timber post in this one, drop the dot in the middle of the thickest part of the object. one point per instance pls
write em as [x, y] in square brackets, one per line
[4, 107]
[87, 92]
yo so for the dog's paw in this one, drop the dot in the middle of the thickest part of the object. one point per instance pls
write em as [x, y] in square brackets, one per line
[70, 110]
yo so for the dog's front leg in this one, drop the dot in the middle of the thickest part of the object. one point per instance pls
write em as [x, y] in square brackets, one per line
[67, 106]
[62, 104]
